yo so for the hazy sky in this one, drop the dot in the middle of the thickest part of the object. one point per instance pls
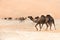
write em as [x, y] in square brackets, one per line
[17, 8]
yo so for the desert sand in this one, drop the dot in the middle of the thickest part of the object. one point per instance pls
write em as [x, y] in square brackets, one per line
[16, 30]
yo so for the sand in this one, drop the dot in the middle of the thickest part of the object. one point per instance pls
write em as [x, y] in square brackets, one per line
[16, 30]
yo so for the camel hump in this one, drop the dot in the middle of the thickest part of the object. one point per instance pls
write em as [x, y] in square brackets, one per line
[49, 17]
[42, 17]
[37, 17]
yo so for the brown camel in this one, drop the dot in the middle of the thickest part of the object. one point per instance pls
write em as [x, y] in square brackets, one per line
[50, 21]
[38, 21]
[9, 18]
[21, 18]
[41, 22]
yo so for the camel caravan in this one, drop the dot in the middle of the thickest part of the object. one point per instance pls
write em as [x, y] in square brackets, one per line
[48, 20]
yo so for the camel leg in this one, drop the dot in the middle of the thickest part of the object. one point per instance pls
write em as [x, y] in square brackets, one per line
[40, 27]
[47, 26]
[50, 26]
[36, 26]
[54, 26]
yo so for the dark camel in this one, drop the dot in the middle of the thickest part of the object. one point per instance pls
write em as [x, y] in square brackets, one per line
[22, 18]
[5, 18]
[10, 18]
[50, 21]
[41, 22]
[38, 21]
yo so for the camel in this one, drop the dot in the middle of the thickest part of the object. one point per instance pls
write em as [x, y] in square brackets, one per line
[5, 18]
[38, 21]
[10, 18]
[41, 22]
[50, 21]
[22, 18]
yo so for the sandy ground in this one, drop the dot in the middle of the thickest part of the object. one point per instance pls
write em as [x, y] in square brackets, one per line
[16, 30]
[24, 35]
